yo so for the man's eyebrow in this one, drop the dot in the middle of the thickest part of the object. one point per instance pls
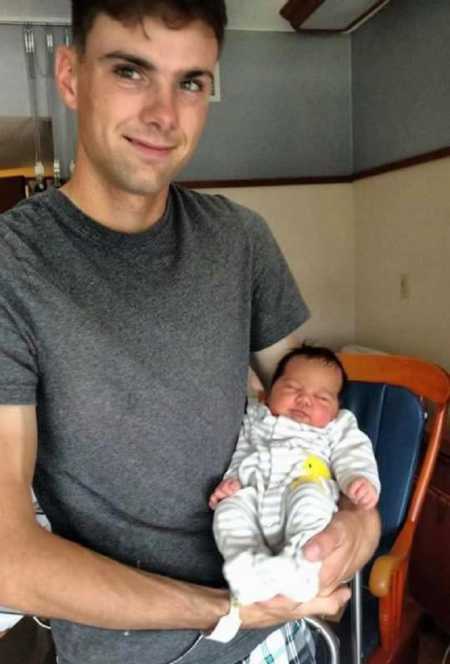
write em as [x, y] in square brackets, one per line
[149, 66]
[129, 57]
[195, 73]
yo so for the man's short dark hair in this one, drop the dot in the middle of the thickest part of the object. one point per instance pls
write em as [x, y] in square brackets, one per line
[310, 352]
[175, 13]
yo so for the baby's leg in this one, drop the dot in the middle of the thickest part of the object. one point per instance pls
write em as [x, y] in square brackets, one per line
[241, 543]
[309, 509]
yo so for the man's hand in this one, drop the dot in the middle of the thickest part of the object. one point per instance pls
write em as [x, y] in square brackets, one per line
[281, 610]
[225, 489]
[362, 493]
[345, 545]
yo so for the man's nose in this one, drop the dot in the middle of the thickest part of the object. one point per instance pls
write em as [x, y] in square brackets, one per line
[160, 107]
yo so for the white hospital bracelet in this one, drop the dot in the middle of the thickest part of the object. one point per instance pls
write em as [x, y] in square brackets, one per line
[228, 626]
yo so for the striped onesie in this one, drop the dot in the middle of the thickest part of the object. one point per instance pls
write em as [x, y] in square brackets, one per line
[285, 499]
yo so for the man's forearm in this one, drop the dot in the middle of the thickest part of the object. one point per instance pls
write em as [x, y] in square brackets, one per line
[42, 574]
[72, 583]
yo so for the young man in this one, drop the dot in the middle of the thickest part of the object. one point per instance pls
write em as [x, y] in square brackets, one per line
[129, 311]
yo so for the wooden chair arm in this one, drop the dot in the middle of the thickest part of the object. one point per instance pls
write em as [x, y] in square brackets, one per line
[382, 573]
[385, 567]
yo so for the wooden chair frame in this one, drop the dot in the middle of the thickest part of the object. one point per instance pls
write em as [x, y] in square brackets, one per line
[389, 572]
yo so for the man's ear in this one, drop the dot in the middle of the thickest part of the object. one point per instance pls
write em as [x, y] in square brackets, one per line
[66, 65]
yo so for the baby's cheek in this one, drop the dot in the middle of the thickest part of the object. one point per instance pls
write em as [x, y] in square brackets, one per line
[323, 416]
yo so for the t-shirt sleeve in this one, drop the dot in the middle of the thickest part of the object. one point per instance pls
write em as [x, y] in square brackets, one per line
[278, 307]
[18, 362]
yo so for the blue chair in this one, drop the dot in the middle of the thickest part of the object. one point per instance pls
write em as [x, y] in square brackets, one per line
[401, 403]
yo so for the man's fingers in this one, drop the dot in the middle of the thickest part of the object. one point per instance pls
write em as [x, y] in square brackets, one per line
[327, 606]
[322, 545]
[281, 609]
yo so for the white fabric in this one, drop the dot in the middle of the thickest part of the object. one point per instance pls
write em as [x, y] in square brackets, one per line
[8, 620]
[228, 626]
[261, 530]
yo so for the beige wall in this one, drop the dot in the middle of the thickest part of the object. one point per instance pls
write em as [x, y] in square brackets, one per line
[403, 228]
[314, 226]
[349, 247]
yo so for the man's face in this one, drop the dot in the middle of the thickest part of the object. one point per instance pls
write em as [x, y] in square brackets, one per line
[307, 392]
[141, 93]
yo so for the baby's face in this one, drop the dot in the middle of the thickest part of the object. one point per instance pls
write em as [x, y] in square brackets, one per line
[307, 392]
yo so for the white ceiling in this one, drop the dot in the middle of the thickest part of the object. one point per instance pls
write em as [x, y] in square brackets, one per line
[243, 14]
[256, 15]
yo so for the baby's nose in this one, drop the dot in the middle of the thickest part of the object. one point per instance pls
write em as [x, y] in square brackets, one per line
[302, 397]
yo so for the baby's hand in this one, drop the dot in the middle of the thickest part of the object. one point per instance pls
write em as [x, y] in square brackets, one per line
[362, 493]
[223, 490]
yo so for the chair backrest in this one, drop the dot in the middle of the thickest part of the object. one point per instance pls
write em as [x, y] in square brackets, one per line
[387, 393]
[393, 418]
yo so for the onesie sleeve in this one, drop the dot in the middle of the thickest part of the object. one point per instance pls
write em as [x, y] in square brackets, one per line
[18, 357]
[351, 452]
[242, 449]
[278, 308]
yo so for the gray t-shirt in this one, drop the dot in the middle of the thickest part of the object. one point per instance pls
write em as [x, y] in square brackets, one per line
[135, 348]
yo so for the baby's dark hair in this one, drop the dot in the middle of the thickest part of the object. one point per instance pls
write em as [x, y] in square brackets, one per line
[310, 352]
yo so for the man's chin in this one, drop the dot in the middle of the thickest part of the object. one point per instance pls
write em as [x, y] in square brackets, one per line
[142, 186]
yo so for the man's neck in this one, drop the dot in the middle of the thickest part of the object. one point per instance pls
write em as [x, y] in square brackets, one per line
[118, 210]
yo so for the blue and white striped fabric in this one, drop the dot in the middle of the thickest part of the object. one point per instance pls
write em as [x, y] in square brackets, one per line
[291, 644]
